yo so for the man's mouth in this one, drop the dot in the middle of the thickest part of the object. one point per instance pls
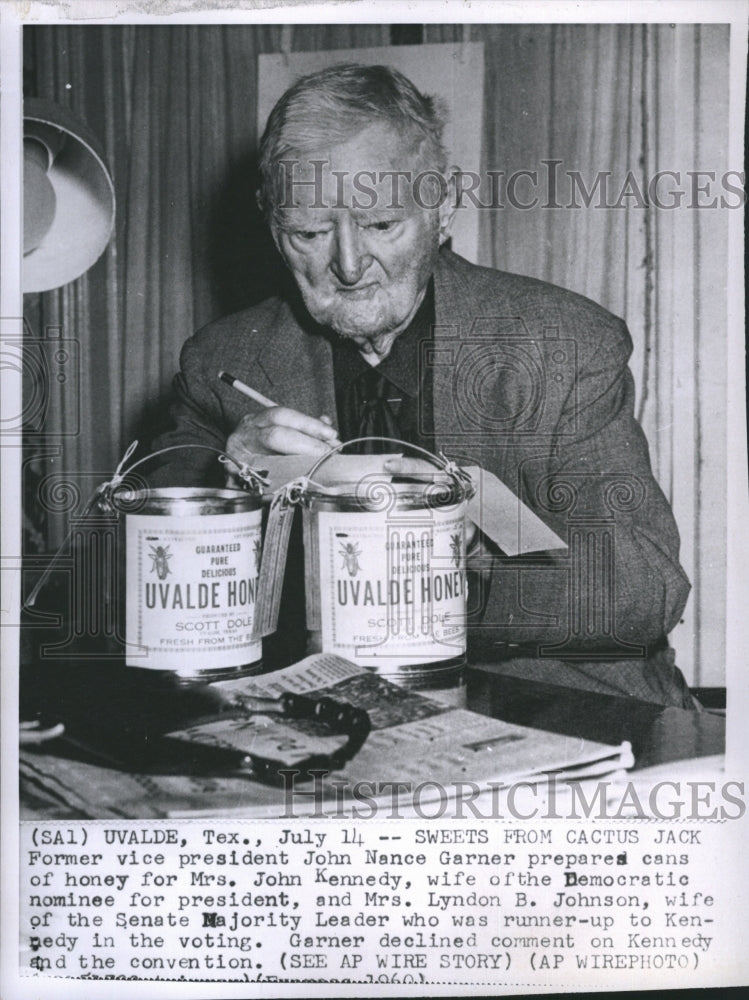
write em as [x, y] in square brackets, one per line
[357, 291]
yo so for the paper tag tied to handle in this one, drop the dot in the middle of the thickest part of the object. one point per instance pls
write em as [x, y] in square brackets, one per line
[505, 519]
[312, 575]
[275, 551]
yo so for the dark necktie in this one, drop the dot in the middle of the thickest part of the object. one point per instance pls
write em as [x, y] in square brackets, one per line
[376, 417]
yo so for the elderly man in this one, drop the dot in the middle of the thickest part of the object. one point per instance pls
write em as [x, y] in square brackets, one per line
[391, 333]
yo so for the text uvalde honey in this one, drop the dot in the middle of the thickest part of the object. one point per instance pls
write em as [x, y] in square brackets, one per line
[193, 558]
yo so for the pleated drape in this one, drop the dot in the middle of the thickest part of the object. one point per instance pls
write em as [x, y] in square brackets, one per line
[616, 105]
[685, 326]
[176, 109]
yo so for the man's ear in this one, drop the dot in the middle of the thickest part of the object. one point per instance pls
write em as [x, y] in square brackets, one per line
[268, 220]
[260, 201]
[449, 204]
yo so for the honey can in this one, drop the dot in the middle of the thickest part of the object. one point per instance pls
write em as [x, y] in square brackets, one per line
[385, 571]
[192, 561]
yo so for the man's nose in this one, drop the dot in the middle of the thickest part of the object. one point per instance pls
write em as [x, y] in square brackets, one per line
[350, 259]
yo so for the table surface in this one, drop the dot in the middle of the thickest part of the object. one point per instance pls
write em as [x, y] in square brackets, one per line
[96, 700]
[658, 734]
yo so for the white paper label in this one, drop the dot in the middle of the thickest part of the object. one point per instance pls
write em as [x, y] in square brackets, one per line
[393, 586]
[191, 591]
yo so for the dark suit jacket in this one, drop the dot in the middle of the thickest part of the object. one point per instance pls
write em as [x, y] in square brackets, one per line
[530, 381]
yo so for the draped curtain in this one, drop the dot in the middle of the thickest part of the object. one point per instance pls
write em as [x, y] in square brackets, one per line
[175, 107]
[631, 101]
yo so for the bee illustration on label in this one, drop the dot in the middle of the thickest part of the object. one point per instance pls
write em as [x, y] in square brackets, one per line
[258, 551]
[455, 548]
[350, 552]
[160, 556]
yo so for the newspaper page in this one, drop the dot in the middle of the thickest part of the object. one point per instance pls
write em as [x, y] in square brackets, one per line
[530, 832]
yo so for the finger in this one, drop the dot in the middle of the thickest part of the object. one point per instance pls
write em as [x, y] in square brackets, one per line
[284, 416]
[288, 441]
[329, 421]
[336, 441]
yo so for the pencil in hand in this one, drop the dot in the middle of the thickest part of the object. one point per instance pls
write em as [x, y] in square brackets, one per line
[258, 397]
[235, 383]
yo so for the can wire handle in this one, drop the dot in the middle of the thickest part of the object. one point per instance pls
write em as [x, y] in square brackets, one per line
[102, 496]
[245, 472]
[440, 460]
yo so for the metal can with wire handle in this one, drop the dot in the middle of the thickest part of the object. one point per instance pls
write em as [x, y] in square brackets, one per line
[192, 559]
[385, 571]
[188, 562]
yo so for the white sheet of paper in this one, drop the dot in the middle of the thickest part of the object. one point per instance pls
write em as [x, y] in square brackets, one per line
[505, 519]
[335, 470]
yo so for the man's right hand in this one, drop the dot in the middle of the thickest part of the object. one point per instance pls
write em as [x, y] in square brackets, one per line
[280, 430]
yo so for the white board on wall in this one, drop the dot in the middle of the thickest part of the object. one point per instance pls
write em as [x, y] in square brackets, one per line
[454, 72]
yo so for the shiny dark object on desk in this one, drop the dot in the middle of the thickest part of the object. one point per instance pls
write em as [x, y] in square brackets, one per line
[657, 733]
[121, 718]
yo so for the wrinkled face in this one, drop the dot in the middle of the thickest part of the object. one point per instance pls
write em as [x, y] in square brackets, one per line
[361, 243]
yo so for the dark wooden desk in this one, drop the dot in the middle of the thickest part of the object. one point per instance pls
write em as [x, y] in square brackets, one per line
[107, 707]
[97, 698]
[657, 734]
[90, 695]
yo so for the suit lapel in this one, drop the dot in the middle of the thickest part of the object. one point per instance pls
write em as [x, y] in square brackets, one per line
[297, 365]
[455, 311]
